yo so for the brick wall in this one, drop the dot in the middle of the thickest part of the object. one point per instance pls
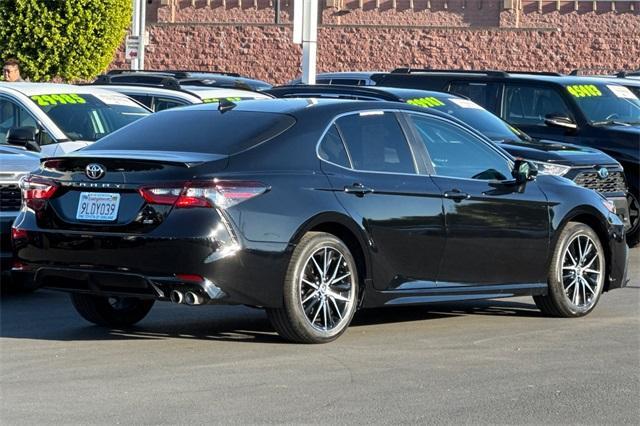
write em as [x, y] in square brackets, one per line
[242, 36]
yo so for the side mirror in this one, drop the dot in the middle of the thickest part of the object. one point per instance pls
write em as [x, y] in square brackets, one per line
[24, 137]
[523, 171]
[555, 120]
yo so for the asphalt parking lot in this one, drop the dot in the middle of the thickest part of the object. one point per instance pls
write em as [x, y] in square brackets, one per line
[486, 362]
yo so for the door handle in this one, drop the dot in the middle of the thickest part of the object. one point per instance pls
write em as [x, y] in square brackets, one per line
[357, 189]
[456, 195]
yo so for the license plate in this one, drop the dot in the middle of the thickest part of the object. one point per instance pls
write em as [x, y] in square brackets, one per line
[98, 206]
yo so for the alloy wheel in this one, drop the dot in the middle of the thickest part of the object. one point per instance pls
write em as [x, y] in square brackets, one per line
[327, 289]
[582, 272]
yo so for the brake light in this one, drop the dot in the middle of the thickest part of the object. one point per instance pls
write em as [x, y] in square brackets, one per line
[36, 190]
[218, 193]
[18, 234]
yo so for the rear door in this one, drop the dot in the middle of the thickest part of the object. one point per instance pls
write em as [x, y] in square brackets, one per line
[496, 232]
[371, 167]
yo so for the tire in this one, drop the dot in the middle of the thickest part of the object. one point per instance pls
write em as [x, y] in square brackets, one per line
[318, 306]
[111, 311]
[568, 295]
[633, 234]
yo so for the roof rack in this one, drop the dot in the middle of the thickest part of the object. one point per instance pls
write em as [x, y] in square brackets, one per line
[333, 89]
[549, 73]
[174, 73]
[582, 71]
[492, 73]
[166, 82]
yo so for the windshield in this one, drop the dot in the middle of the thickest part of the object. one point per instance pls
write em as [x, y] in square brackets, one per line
[606, 103]
[475, 116]
[89, 117]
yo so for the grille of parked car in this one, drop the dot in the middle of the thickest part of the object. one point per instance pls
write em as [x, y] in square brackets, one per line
[614, 182]
[10, 197]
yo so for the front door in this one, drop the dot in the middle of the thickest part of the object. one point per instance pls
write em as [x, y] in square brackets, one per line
[496, 232]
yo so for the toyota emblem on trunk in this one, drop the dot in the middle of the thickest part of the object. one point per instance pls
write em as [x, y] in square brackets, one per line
[94, 171]
[603, 173]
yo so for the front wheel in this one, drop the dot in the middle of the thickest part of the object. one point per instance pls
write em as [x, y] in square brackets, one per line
[111, 311]
[576, 274]
[320, 291]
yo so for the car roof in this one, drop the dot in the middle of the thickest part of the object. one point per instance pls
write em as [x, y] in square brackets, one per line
[31, 89]
[549, 77]
[204, 92]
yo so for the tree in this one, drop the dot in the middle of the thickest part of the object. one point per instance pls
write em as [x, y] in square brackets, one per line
[71, 39]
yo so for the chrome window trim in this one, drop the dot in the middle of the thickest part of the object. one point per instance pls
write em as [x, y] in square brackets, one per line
[385, 110]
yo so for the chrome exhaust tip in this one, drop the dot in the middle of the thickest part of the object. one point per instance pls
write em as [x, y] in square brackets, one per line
[192, 298]
[177, 296]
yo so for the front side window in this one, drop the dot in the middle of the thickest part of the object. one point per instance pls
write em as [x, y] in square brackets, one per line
[529, 105]
[376, 142]
[162, 103]
[457, 153]
[89, 117]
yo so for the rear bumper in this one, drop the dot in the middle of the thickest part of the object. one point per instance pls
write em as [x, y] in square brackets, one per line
[622, 208]
[6, 251]
[148, 267]
[618, 256]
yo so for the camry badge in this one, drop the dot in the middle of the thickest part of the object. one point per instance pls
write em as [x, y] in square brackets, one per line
[94, 171]
[603, 173]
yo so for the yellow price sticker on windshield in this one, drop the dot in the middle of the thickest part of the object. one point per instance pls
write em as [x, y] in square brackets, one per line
[216, 100]
[426, 102]
[55, 99]
[584, 90]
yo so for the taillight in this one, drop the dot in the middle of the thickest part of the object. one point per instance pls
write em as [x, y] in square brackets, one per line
[218, 193]
[36, 190]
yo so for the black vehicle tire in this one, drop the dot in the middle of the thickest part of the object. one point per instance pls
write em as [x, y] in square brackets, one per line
[633, 234]
[577, 253]
[111, 311]
[319, 301]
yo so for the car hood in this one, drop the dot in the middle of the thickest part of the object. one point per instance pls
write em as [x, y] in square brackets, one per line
[16, 160]
[557, 152]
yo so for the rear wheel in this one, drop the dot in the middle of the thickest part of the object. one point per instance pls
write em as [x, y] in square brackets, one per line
[576, 274]
[111, 311]
[320, 291]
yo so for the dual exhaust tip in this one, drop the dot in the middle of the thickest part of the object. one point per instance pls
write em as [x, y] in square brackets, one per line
[188, 298]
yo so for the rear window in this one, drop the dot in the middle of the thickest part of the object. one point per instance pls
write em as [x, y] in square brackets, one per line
[206, 131]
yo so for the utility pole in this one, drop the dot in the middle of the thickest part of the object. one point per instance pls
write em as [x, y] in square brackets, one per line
[305, 32]
[136, 40]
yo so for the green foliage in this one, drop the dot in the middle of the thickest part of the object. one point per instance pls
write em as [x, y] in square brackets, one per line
[71, 39]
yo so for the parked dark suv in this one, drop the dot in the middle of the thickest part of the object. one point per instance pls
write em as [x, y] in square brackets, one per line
[578, 110]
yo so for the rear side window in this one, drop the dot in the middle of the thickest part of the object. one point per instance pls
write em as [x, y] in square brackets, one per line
[528, 105]
[332, 148]
[484, 94]
[376, 142]
[207, 131]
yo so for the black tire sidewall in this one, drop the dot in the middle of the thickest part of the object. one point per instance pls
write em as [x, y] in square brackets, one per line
[556, 287]
[292, 286]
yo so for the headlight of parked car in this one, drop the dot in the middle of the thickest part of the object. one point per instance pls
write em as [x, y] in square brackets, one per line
[551, 169]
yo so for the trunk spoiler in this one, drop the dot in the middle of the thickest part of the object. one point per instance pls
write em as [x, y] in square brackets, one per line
[179, 158]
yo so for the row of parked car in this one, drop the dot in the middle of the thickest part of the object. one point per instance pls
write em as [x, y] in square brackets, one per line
[128, 219]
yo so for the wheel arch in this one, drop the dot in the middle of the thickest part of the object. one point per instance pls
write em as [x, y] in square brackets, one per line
[347, 230]
[591, 217]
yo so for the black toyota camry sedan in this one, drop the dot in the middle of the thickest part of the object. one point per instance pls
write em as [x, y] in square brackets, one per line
[310, 209]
